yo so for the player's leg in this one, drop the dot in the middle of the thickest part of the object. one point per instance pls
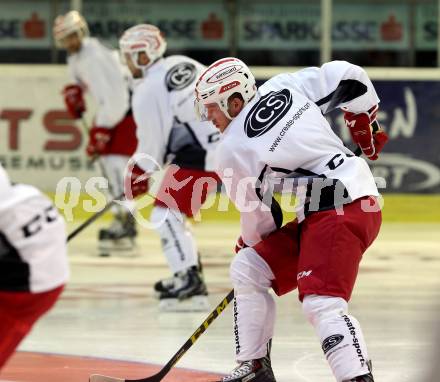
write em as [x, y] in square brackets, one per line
[341, 337]
[331, 250]
[254, 317]
[18, 313]
[121, 233]
[180, 250]
[178, 243]
[271, 263]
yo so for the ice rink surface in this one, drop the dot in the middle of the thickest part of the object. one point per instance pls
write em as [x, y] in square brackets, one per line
[108, 309]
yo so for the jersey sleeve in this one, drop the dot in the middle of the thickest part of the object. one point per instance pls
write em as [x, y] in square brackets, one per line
[71, 70]
[336, 84]
[105, 82]
[154, 121]
[243, 178]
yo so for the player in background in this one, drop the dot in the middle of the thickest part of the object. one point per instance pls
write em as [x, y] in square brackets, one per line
[33, 260]
[278, 136]
[97, 69]
[169, 133]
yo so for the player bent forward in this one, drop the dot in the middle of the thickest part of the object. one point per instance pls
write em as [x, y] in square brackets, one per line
[169, 133]
[279, 131]
[96, 69]
[33, 261]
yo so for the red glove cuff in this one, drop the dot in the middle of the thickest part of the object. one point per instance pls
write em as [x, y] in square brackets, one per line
[73, 98]
[380, 139]
[99, 140]
[361, 130]
[136, 182]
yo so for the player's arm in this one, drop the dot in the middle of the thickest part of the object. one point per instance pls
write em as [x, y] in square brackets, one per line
[340, 84]
[106, 85]
[73, 94]
[259, 212]
[336, 84]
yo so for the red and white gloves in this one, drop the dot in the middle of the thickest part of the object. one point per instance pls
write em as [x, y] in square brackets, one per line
[240, 244]
[136, 182]
[99, 141]
[74, 100]
[371, 143]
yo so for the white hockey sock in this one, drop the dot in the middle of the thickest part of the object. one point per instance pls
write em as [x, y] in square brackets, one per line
[253, 308]
[178, 243]
[340, 334]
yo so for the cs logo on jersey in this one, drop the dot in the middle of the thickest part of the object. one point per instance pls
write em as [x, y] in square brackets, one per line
[180, 76]
[267, 112]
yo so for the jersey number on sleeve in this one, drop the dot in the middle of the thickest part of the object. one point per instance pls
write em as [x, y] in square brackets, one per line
[36, 223]
[336, 161]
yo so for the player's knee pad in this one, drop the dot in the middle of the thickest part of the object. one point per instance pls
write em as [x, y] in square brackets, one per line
[161, 217]
[250, 273]
[172, 227]
[318, 308]
[177, 240]
[158, 216]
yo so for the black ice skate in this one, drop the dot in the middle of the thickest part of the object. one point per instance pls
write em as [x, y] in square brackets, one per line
[255, 370]
[187, 293]
[363, 378]
[165, 285]
[119, 237]
[366, 377]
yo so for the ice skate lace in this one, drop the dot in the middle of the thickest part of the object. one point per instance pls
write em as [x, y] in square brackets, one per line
[240, 371]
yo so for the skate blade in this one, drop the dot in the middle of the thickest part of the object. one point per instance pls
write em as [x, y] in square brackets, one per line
[193, 304]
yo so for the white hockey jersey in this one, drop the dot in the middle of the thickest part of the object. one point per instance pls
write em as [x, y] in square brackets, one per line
[281, 141]
[100, 71]
[167, 127]
[33, 254]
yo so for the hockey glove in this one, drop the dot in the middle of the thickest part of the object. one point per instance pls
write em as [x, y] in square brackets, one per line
[99, 141]
[136, 182]
[240, 245]
[73, 98]
[380, 138]
[361, 131]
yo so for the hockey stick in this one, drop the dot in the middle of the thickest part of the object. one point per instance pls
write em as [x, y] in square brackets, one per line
[94, 217]
[185, 347]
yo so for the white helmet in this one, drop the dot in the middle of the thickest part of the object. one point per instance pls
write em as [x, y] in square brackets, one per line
[143, 38]
[222, 79]
[71, 22]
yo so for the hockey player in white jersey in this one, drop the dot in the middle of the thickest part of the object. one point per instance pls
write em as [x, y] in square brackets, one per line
[98, 70]
[33, 260]
[277, 137]
[169, 132]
